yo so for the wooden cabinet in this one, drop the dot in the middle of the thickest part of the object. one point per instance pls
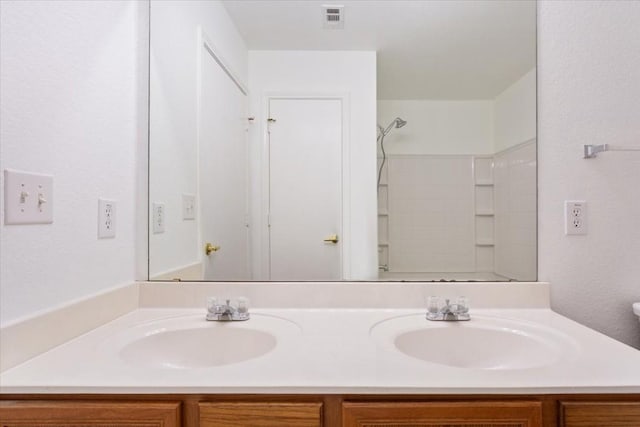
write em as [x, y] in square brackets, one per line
[442, 414]
[89, 414]
[260, 414]
[210, 410]
[600, 414]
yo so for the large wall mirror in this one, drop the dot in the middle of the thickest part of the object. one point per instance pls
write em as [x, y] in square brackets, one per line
[350, 140]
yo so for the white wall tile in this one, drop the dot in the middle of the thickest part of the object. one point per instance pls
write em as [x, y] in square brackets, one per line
[431, 214]
[515, 212]
[483, 169]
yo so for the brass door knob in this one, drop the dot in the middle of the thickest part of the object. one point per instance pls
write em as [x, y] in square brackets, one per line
[210, 248]
[332, 239]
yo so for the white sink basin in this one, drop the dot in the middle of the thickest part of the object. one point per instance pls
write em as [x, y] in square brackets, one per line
[481, 343]
[190, 342]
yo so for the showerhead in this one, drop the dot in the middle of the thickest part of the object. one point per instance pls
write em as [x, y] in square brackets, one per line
[396, 123]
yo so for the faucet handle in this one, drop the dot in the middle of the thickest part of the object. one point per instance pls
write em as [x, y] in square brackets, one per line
[463, 304]
[433, 304]
[212, 304]
[243, 305]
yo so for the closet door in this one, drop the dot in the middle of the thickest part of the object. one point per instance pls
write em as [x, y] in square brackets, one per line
[222, 172]
[305, 189]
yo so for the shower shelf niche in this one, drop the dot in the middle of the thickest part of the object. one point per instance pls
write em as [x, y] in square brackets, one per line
[484, 212]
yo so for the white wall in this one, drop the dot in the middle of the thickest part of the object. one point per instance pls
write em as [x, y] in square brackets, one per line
[438, 127]
[71, 89]
[317, 73]
[173, 126]
[589, 93]
[515, 113]
[463, 127]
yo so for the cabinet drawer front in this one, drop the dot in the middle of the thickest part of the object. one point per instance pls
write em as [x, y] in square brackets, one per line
[599, 414]
[260, 414]
[442, 414]
[93, 414]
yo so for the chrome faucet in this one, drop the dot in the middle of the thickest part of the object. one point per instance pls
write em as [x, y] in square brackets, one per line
[448, 312]
[227, 312]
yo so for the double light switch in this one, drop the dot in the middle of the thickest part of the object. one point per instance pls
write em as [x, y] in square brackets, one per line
[28, 198]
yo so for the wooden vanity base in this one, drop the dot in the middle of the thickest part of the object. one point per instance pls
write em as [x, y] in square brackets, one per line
[192, 410]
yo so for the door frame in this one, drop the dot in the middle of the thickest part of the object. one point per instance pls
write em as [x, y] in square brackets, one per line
[204, 43]
[345, 181]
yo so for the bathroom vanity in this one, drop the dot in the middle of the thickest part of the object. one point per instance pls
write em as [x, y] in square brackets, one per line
[336, 362]
[324, 410]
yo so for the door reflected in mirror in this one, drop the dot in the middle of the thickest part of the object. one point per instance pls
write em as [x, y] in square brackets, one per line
[379, 140]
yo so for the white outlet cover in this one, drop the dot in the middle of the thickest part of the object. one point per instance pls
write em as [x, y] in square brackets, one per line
[158, 217]
[188, 206]
[28, 198]
[575, 217]
[106, 219]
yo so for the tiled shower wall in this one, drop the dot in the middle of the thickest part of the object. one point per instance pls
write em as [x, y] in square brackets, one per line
[429, 222]
[455, 214]
[515, 212]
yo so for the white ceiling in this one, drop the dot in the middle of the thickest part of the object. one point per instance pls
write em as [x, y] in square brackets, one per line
[427, 49]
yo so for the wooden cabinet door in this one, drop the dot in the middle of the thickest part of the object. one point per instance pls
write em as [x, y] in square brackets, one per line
[88, 414]
[599, 414]
[442, 414]
[260, 414]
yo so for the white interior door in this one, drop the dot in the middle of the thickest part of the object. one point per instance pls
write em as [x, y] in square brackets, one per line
[223, 180]
[305, 194]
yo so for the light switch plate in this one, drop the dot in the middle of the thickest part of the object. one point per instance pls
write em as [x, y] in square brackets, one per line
[188, 206]
[106, 218]
[28, 198]
[158, 217]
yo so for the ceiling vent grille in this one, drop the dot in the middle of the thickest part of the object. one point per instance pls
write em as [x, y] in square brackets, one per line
[333, 17]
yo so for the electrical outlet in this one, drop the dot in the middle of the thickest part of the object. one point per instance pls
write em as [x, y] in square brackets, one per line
[188, 206]
[158, 210]
[575, 214]
[106, 218]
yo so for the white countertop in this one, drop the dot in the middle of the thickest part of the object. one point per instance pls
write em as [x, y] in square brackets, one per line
[325, 351]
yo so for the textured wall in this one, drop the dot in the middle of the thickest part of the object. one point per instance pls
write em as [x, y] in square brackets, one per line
[69, 100]
[589, 93]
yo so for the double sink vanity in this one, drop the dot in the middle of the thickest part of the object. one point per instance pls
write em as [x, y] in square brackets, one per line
[326, 354]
